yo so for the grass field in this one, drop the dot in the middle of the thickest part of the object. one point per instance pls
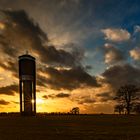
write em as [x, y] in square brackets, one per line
[70, 127]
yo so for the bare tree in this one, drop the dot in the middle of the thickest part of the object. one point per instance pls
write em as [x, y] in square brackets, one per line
[127, 95]
[75, 110]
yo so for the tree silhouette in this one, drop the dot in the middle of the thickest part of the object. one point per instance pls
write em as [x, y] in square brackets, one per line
[119, 108]
[75, 110]
[127, 95]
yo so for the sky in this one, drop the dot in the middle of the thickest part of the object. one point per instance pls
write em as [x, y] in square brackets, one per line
[84, 49]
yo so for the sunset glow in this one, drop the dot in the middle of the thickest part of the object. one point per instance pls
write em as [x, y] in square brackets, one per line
[83, 54]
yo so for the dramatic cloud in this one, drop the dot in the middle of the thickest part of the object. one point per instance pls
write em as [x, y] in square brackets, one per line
[119, 75]
[135, 53]
[112, 54]
[20, 33]
[3, 102]
[116, 35]
[59, 57]
[9, 90]
[68, 78]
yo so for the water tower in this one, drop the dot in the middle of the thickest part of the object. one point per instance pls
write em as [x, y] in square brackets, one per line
[27, 85]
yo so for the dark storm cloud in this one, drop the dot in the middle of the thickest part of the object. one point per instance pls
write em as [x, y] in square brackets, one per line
[58, 57]
[3, 102]
[9, 90]
[48, 54]
[23, 33]
[69, 78]
[21, 18]
[120, 75]
[106, 96]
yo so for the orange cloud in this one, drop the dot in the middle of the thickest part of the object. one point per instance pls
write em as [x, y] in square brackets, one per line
[116, 35]
[135, 53]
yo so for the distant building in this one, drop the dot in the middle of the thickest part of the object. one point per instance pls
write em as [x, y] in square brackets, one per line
[27, 85]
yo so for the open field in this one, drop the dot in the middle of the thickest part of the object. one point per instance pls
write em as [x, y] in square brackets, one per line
[70, 127]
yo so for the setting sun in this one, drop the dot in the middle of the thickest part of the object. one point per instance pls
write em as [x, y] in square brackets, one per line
[39, 101]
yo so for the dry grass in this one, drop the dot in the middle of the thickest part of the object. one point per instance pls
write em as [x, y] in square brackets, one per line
[68, 127]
